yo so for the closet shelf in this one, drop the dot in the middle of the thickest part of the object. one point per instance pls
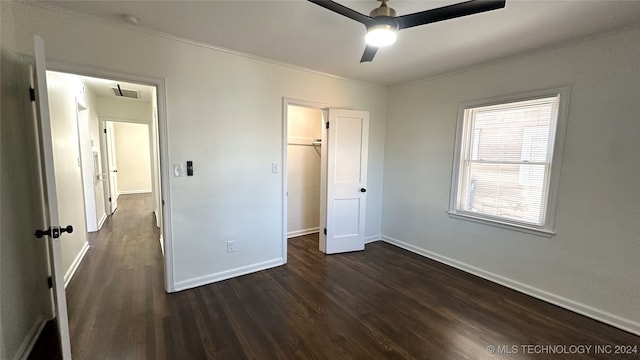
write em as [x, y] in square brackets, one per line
[316, 142]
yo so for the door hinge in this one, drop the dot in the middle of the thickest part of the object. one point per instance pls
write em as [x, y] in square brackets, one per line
[162, 202]
[325, 231]
[50, 282]
[32, 94]
[109, 199]
[327, 124]
[105, 131]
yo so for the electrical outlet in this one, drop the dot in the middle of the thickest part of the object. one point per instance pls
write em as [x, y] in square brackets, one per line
[231, 246]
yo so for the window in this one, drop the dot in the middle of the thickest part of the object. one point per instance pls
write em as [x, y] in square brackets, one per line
[507, 161]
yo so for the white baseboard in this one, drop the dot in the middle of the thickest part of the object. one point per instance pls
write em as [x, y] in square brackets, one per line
[102, 220]
[131, 192]
[75, 264]
[582, 309]
[373, 238]
[224, 275]
[25, 348]
[302, 232]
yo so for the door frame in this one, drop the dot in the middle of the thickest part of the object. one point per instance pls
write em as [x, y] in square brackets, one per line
[107, 146]
[163, 146]
[104, 146]
[88, 177]
[286, 102]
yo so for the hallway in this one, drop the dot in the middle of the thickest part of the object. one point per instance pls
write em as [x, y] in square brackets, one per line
[119, 288]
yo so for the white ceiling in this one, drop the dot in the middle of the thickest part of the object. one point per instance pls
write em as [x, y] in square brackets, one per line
[304, 34]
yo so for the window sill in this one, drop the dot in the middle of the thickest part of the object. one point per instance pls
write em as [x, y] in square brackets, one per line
[502, 224]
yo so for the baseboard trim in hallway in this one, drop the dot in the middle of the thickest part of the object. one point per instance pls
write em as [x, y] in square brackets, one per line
[68, 276]
[102, 220]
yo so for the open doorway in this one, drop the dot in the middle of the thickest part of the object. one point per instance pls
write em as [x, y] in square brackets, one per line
[304, 172]
[304, 155]
[82, 109]
[325, 155]
[128, 153]
[57, 100]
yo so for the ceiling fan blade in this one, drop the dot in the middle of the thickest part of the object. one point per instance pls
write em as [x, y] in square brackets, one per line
[448, 12]
[369, 53]
[344, 11]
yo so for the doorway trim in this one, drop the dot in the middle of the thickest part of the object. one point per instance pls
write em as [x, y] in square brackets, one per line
[88, 192]
[163, 145]
[106, 147]
[286, 102]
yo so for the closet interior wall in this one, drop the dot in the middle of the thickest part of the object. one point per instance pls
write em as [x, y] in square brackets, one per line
[303, 170]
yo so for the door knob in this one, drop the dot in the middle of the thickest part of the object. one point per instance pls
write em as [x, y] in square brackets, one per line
[363, 190]
[53, 231]
[68, 229]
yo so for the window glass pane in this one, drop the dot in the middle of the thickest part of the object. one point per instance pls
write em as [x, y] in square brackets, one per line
[496, 190]
[501, 131]
[505, 160]
[535, 140]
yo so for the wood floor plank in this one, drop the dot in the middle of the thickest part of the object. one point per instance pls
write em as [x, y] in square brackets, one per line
[381, 303]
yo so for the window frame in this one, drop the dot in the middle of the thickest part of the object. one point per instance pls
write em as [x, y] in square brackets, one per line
[547, 228]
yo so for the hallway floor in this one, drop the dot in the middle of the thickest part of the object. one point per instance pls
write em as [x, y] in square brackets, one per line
[118, 291]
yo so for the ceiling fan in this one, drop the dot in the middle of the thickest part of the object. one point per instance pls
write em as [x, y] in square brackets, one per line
[382, 23]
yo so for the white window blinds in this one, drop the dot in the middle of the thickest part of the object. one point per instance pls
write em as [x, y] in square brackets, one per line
[505, 160]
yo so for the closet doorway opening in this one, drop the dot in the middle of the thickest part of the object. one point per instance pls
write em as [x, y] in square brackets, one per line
[325, 152]
[304, 164]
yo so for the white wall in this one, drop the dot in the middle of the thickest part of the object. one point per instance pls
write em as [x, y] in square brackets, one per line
[225, 114]
[303, 170]
[120, 108]
[591, 265]
[63, 90]
[133, 159]
[24, 295]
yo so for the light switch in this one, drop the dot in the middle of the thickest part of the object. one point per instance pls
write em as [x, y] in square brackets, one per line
[275, 167]
[178, 170]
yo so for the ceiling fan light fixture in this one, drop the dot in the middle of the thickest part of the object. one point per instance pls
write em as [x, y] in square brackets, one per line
[382, 23]
[381, 35]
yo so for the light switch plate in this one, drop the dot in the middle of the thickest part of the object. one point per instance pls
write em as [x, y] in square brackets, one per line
[178, 170]
[275, 167]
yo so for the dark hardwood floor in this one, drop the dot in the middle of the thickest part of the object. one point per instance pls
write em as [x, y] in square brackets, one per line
[382, 303]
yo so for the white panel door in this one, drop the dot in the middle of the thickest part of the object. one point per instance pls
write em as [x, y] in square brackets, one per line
[111, 166]
[347, 149]
[55, 231]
